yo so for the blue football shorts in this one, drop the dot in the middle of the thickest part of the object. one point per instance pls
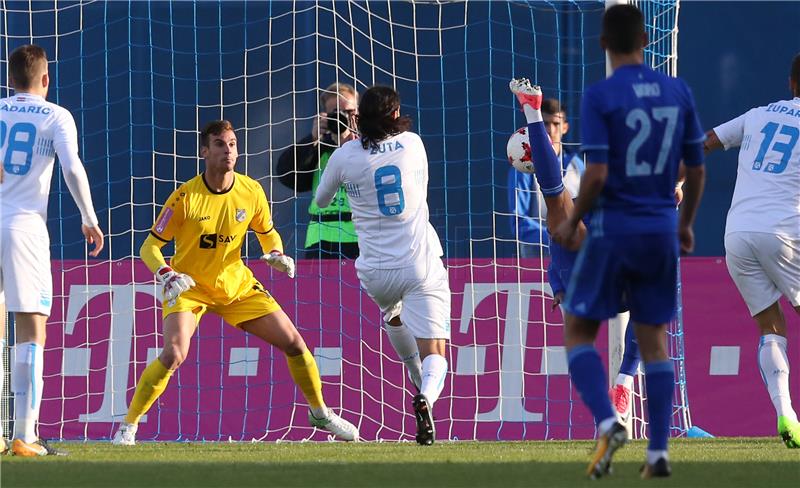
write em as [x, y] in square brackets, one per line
[639, 271]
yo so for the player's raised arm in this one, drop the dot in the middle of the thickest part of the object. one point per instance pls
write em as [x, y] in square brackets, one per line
[65, 143]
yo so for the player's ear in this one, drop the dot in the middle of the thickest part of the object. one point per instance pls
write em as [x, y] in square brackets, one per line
[203, 151]
[564, 126]
[45, 80]
[645, 40]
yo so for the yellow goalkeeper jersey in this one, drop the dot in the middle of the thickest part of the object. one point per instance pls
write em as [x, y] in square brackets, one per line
[209, 229]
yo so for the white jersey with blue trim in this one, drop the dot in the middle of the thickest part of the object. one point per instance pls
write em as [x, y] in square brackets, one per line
[767, 194]
[32, 132]
[387, 186]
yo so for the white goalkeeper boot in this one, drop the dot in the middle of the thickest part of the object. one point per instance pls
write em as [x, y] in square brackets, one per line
[126, 435]
[336, 425]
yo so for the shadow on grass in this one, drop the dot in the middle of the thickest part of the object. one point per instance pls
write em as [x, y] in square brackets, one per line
[86, 474]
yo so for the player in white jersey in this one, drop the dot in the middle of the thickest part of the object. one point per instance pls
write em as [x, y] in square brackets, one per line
[32, 132]
[385, 174]
[762, 234]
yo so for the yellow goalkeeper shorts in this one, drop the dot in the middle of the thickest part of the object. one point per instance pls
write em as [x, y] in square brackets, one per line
[255, 302]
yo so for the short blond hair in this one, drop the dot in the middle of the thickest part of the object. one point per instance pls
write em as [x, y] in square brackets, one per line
[335, 90]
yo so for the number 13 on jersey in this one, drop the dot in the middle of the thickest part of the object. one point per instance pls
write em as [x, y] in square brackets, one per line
[389, 187]
[786, 148]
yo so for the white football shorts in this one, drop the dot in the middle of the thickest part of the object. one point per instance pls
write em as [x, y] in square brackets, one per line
[764, 267]
[419, 294]
[25, 276]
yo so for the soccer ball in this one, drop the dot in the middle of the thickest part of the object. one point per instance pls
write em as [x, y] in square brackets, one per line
[519, 151]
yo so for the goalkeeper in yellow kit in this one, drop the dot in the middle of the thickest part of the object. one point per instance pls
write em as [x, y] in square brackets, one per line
[208, 217]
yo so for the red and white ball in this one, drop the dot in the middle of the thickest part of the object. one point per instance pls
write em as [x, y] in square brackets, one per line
[519, 151]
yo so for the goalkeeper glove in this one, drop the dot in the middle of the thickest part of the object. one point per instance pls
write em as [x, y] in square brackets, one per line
[173, 283]
[281, 262]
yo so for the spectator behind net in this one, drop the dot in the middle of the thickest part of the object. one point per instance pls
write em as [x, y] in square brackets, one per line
[331, 233]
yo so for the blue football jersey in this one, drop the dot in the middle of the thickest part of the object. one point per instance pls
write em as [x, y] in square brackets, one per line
[642, 124]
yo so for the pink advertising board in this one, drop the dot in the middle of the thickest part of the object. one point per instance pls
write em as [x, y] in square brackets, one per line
[504, 383]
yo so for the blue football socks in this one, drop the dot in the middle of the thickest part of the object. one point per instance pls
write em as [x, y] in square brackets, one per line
[631, 357]
[659, 379]
[589, 377]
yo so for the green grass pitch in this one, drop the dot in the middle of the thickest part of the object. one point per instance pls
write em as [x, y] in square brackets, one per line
[704, 463]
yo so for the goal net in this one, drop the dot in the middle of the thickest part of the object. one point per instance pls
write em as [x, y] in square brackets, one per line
[142, 78]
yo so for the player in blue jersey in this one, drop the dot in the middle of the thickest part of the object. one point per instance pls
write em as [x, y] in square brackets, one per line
[548, 174]
[636, 127]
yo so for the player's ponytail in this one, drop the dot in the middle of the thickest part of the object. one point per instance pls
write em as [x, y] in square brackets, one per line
[376, 116]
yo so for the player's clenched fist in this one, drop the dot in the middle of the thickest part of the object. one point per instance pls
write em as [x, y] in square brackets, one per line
[173, 283]
[281, 262]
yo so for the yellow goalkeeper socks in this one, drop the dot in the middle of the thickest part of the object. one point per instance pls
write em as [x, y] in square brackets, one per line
[306, 375]
[152, 384]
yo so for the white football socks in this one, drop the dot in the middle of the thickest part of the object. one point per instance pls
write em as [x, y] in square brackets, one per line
[774, 365]
[405, 345]
[532, 115]
[27, 383]
[625, 380]
[606, 424]
[434, 370]
[654, 455]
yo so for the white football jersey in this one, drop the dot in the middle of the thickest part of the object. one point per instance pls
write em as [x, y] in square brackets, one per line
[767, 193]
[32, 132]
[387, 187]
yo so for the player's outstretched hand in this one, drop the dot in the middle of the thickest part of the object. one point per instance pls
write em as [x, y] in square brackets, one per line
[173, 283]
[686, 238]
[281, 262]
[94, 236]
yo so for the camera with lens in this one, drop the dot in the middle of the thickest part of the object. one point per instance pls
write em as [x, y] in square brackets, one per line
[339, 121]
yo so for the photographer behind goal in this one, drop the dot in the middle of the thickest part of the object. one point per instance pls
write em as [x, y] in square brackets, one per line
[331, 233]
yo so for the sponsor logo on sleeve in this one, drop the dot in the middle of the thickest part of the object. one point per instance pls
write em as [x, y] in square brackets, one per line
[164, 220]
